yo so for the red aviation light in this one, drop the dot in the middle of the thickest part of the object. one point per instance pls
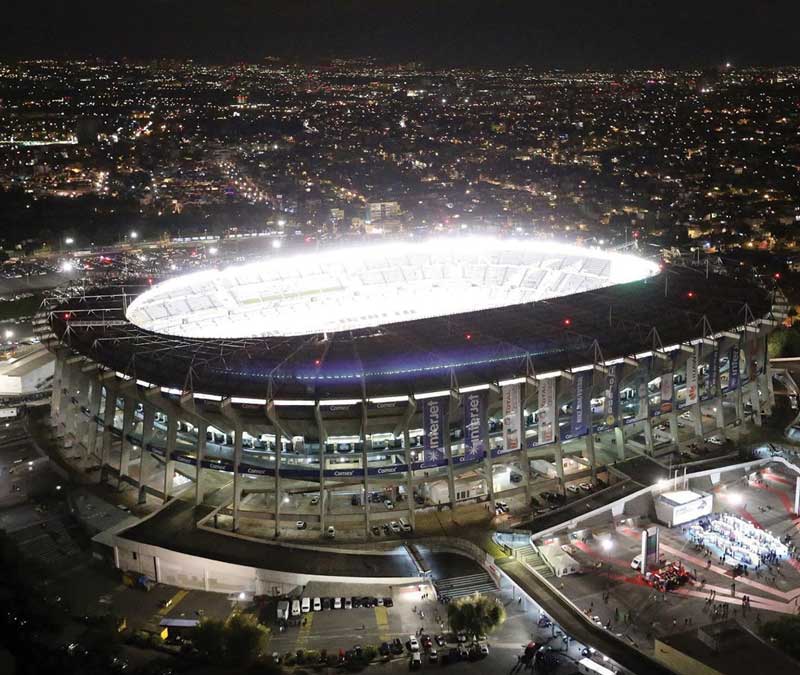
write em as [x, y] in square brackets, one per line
[690, 295]
[567, 322]
[468, 336]
[317, 362]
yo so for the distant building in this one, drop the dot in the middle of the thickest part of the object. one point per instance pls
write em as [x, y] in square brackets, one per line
[87, 129]
[381, 211]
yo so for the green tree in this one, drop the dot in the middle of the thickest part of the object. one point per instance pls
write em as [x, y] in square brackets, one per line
[208, 638]
[476, 614]
[245, 639]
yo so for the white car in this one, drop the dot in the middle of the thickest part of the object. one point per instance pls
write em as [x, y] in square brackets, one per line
[395, 526]
[388, 504]
[331, 532]
[636, 563]
[295, 608]
[315, 500]
[337, 603]
[484, 649]
[305, 605]
[413, 643]
[405, 526]
[317, 604]
[348, 603]
[301, 524]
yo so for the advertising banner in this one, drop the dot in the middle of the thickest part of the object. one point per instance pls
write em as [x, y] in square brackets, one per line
[513, 431]
[733, 368]
[475, 410]
[611, 406]
[691, 378]
[434, 427]
[581, 419]
[666, 393]
[713, 372]
[547, 411]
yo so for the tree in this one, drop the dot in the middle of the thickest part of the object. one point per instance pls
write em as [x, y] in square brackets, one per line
[475, 614]
[208, 638]
[245, 640]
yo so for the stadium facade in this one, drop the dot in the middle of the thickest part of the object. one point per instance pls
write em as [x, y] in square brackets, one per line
[403, 377]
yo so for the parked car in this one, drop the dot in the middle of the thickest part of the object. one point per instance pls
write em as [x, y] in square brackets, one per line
[348, 603]
[515, 477]
[331, 532]
[388, 504]
[396, 647]
[317, 604]
[440, 640]
[326, 603]
[337, 603]
[376, 530]
[315, 500]
[573, 489]
[395, 526]
[413, 643]
[305, 605]
[295, 607]
[355, 602]
[406, 527]
[388, 602]
[416, 661]
[433, 656]
[301, 525]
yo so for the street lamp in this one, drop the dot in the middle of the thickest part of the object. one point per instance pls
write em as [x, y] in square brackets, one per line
[69, 241]
[134, 234]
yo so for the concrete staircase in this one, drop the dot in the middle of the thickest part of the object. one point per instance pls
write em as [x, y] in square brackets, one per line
[529, 557]
[457, 587]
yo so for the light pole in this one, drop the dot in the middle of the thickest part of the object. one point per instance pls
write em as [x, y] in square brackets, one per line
[607, 545]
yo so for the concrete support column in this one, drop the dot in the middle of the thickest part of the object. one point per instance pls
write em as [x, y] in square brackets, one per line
[619, 439]
[83, 420]
[128, 409]
[412, 505]
[674, 428]
[755, 402]
[697, 419]
[365, 447]
[70, 406]
[720, 414]
[94, 412]
[108, 420]
[169, 463]
[323, 493]
[451, 479]
[648, 435]
[199, 494]
[488, 464]
[559, 461]
[148, 431]
[57, 396]
[590, 456]
[278, 449]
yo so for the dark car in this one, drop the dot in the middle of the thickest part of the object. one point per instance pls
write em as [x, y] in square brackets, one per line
[376, 530]
[440, 640]
[356, 603]
[355, 500]
[386, 528]
[397, 647]
[326, 603]
[388, 602]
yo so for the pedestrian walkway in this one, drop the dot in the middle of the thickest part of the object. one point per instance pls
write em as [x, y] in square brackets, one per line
[305, 630]
[530, 557]
[382, 619]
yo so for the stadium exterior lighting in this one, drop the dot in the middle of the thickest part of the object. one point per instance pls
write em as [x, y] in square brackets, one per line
[134, 234]
[69, 241]
[277, 243]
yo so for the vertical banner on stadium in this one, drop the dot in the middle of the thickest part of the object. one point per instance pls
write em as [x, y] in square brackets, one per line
[611, 409]
[513, 431]
[713, 372]
[547, 411]
[475, 409]
[434, 427]
[580, 422]
[733, 368]
[666, 393]
[691, 378]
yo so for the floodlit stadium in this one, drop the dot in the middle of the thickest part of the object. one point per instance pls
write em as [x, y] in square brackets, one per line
[351, 387]
[371, 286]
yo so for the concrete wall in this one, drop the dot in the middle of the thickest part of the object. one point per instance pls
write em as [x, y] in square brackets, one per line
[195, 572]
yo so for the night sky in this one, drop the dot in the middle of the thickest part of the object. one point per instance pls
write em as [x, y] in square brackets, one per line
[563, 33]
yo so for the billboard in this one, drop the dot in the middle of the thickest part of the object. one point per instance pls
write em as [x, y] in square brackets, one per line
[713, 372]
[733, 368]
[643, 379]
[474, 429]
[581, 419]
[666, 393]
[691, 378]
[434, 427]
[513, 431]
[611, 407]
[547, 411]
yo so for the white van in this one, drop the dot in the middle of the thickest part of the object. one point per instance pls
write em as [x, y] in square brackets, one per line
[404, 525]
[295, 608]
[305, 605]
[317, 605]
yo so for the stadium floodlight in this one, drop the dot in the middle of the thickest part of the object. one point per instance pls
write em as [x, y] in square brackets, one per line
[360, 287]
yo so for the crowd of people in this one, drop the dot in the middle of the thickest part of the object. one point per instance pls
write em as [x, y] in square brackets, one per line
[738, 541]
